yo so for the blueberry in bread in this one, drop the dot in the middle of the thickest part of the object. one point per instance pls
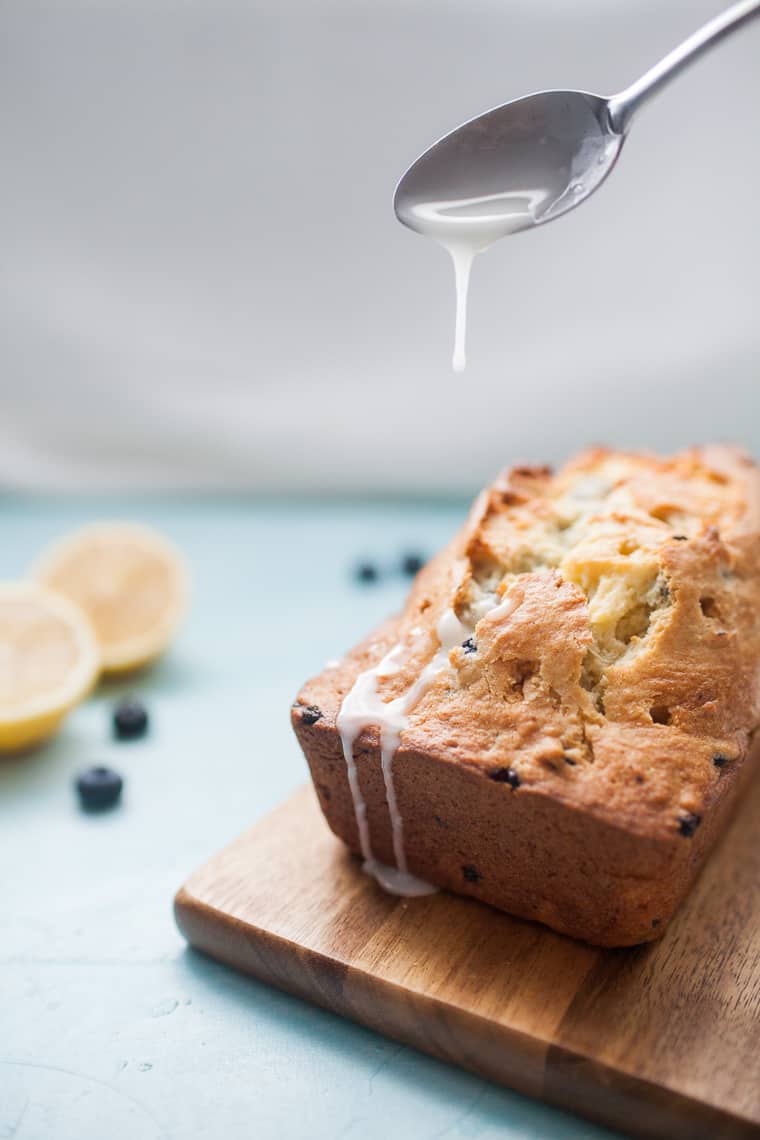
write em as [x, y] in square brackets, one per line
[559, 721]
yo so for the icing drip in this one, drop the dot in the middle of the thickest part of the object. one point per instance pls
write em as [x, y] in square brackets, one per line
[466, 227]
[363, 706]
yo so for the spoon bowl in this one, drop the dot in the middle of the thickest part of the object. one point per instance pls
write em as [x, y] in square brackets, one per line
[512, 168]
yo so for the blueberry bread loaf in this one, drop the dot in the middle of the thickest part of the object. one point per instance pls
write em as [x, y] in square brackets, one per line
[560, 719]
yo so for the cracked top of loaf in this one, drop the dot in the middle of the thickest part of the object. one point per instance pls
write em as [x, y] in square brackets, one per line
[611, 648]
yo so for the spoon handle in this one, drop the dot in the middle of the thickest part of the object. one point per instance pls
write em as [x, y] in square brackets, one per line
[623, 106]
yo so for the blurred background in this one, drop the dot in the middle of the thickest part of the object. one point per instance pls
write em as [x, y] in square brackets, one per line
[202, 283]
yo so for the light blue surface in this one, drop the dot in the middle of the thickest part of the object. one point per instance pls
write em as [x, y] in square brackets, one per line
[109, 1026]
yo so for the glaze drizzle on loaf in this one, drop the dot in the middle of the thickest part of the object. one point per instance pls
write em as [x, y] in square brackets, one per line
[363, 706]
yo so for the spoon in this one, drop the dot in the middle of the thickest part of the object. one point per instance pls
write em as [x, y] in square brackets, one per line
[531, 160]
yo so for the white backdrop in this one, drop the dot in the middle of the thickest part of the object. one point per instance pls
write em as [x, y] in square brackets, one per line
[202, 283]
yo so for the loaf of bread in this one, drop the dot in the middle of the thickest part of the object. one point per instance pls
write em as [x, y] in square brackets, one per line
[558, 722]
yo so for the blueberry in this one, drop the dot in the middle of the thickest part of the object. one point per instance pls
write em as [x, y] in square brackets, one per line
[505, 776]
[719, 760]
[469, 645]
[366, 572]
[310, 714]
[679, 538]
[99, 788]
[688, 822]
[471, 874]
[130, 719]
[412, 563]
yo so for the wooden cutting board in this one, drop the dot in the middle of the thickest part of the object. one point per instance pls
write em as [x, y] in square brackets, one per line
[662, 1040]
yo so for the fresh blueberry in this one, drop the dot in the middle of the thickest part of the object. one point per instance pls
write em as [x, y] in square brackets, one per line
[99, 788]
[366, 572]
[412, 563]
[130, 719]
[469, 645]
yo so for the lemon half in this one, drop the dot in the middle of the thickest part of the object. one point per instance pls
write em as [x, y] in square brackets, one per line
[49, 661]
[130, 582]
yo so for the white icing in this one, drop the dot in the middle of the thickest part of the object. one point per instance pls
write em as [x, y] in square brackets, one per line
[463, 257]
[466, 227]
[505, 609]
[363, 706]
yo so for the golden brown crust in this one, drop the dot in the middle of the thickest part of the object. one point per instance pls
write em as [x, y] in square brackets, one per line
[577, 764]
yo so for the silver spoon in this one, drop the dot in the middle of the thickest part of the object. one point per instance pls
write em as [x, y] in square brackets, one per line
[533, 159]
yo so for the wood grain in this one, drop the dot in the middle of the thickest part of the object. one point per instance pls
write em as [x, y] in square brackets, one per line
[658, 1041]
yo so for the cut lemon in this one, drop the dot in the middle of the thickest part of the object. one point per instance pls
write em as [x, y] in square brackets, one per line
[130, 582]
[49, 661]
